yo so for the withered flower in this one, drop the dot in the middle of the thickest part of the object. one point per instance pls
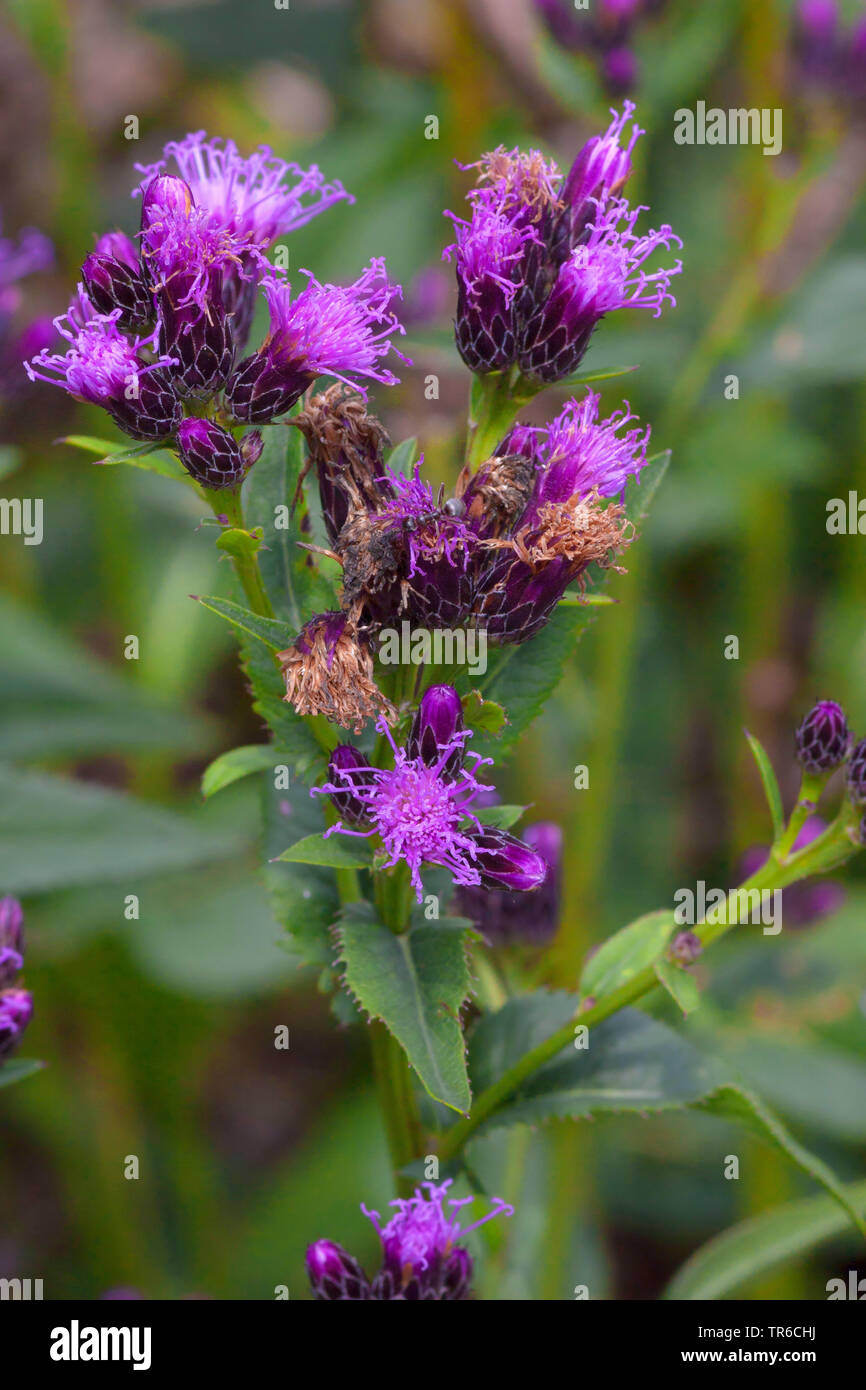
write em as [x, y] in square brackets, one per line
[329, 670]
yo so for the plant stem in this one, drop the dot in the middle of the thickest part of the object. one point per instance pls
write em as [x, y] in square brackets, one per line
[824, 853]
[494, 400]
[403, 1128]
[226, 502]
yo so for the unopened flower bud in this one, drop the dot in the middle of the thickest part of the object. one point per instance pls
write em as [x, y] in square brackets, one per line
[210, 454]
[11, 940]
[113, 284]
[348, 768]
[165, 194]
[505, 862]
[334, 1274]
[823, 739]
[686, 947]
[437, 719]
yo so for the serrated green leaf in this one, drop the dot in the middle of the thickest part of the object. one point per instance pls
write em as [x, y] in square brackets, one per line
[770, 784]
[17, 1069]
[416, 983]
[626, 954]
[237, 763]
[757, 1247]
[631, 1063]
[680, 985]
[274, 632]
[304, 897]
[337, 852]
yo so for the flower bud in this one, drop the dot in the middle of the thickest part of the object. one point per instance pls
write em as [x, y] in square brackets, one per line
[148, 409]
[857, 773]
[823, 739]
[119, 247]
[16, 1010]
[686, 947]
[508, 918]
[210, 454]
[349, 768]
[437, 719]
[334, 1274]
[112, 284]
[164, 195]
[199, 339]
[506, 862]
[11, 940]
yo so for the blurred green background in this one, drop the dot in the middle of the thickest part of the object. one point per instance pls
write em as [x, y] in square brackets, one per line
[158, 1032]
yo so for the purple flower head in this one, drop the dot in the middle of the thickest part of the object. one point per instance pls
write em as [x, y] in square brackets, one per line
[599, 172]
[823, 740]
[349, 758]
[431, 528]
[620, 70]
[103, 367]
[186, 256]
[817, 19]
[256, 198]
[489, 254]
[578, 453]
[328, 330]
[11, 940]
[422, 1256]
[857, 773]
[16, 1010]
[335, 1275]
[603, 273]
[509, 863]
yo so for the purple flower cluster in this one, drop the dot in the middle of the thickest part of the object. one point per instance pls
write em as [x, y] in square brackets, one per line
[16, 1005]
[158, 330]
[421, 809]
[544, 257]
[605, 31]
[422, 1257]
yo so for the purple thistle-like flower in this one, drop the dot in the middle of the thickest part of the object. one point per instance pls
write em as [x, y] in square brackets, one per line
[578, 453]
[11, 940]
[16, 1010]
[823, 739]
[103, 367]
[422, 1257]
[257, 197]
[599, 172]
[328, 330]
[603, 273]
[432, 531]
[489, 255]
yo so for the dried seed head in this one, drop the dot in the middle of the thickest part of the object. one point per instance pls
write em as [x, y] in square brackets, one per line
[329, 671]
[346, 448]
[496, 496]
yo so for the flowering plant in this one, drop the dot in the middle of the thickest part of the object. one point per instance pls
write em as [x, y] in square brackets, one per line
[409, 879]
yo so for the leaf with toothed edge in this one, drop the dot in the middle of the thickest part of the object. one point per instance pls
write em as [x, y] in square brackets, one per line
[630, 1063]
[416, 983]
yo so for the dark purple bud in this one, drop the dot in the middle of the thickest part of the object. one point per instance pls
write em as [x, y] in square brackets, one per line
[823, 739]
[686, 947]
[335, 1275]
[349, 768]
[857, 773]
[200, 340]
[506, 862]
[111, 284]
[150, 409]
[262, 388]
[16, 1010]
[11, 940]
[620, 71]
[438, 720]
[210, 454]
[119, 247]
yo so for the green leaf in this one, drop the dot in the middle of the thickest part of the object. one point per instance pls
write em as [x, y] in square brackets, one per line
[503, 817]
[55, 833]
[242, 544]
[770, 784]
[403, 456]
[762, 1244]
[152, 457]
[631, 1063]
[523, 683]
[626, 954]
[17, 1069]
[303, 897]
[485, 716]
[237, 763]
[416, 983]
[680, 985]
[594, 374]
[275, 633]
[337, 852]
[292, 582]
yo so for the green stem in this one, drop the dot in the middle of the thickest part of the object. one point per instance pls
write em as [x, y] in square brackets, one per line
[824, 853]
[494, 401]
[227, 502]
[403, 1128]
